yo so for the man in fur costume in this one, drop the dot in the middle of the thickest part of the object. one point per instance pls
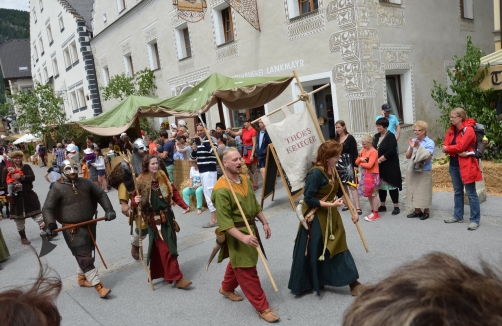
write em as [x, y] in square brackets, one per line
[155, 198]
[121, 178]
[74, 200]
[26, 203]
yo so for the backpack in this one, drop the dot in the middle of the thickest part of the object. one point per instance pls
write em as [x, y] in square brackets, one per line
[479, 130]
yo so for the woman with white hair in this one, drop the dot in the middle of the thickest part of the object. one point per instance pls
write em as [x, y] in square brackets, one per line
[419, 174]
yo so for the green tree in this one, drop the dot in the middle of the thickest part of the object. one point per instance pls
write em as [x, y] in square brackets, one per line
[121, 86]
[465, 92]
[41, 112]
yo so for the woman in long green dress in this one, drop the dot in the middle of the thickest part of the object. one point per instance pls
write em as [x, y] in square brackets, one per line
[320, 256]
[4, 251]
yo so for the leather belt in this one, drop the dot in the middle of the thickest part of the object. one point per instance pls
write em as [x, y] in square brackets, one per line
[251, 223]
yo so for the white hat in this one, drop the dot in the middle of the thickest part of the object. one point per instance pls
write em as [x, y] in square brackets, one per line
[174, 126]
[123, 134]
[87, 151]
[71, 148]
[182, 123]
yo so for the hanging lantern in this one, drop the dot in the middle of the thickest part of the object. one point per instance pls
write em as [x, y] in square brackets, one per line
[190, 10]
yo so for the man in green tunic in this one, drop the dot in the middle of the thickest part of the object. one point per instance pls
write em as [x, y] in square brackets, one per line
[240, 246]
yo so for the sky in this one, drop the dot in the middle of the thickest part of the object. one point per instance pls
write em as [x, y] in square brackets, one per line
[15, 4]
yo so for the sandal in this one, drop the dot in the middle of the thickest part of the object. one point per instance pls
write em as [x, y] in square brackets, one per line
[359, 211]
[199, 211]
[345, 208]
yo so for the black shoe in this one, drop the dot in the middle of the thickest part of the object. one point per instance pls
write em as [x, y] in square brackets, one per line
[345, 208]
[396, 211]
[415, 214]
[359, 211]
[382, 208]
[424, 216]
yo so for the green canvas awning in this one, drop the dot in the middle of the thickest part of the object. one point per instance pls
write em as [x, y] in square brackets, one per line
[120, 118]
[234, 93]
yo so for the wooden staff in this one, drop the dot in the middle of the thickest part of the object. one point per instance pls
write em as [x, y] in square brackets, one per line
[128, 159]
[304, 97]
[237, 201]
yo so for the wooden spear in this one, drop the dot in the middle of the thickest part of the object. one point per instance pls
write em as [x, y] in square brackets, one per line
[236, 200]
[346, 198]
[128, 158]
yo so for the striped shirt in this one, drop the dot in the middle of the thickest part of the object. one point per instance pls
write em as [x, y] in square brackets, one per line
[206, 160]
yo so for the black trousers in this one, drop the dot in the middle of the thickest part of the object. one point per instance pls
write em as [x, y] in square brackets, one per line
[394, 195]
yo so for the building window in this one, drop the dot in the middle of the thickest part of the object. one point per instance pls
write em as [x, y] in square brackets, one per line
[41, 5]
[153, 55]
[55, 69]
[34, 14]
[106, 76]
[223, 24]
[73, 101]
[237, 116]
[395, 95]
[183, 41]
[397, 2]
[45, 76]
[129, 68]
[61, 24]
[35, 53]
[81, 99]
[49, 35]
[73, 53]
[67, 58]
[466, 9]
[42, 52]
[306, 6]
[121, 5]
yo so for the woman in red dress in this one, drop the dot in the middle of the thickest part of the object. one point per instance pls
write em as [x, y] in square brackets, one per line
[248, 137]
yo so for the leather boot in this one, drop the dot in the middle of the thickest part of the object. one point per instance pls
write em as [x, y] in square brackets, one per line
[135, 252]
[24, 239]
[181, 284]
[103, 292]
[268, 315]
[356, 288]
[231, 295]
[82, 281]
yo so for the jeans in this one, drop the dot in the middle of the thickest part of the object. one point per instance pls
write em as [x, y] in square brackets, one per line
[199, 194]
[458, 190]
[170, 172]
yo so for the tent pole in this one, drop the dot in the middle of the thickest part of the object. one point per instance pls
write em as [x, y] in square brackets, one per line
[220, 111]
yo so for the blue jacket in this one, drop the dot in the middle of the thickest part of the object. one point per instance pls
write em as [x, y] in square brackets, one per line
[261, 151]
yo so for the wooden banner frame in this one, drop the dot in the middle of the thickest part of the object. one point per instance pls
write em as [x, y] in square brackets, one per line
[272, 166]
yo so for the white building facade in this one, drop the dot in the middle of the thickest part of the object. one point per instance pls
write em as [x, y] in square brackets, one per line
[369, 51]
[60, 31]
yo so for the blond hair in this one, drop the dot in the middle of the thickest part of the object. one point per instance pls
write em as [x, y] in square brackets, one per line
[422, 124]
[460, 113]
[367, 138]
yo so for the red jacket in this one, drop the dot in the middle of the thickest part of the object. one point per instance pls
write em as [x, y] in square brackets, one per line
[465, 142]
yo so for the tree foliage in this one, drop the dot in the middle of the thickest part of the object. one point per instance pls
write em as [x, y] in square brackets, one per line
[14, 24]
[465, 92]
[41, 112]
[121, 86]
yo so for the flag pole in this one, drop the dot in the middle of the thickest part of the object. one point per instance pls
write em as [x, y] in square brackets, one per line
[304, 96]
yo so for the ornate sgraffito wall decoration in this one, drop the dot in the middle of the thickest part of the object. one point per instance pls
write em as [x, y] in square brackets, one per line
[186, 64]
[125, 46]
[306, 24]
[150, 32]
[357, 44]
[227, 52]
[190, 10]
[190, 79]
[390, 16]
[248, 9]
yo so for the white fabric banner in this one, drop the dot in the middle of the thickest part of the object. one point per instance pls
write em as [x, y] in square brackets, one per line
[296, 141]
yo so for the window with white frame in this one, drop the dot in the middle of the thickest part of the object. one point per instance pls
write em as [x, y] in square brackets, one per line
[301, 7]
[466, 9]
[67, 58]
[81, 98]
[121, 5]
[183, 41]
[49, 34]
[223, 24]
[35, 53]
[42, 52]
[45, 75]
[153, 55]
[73, 101]
[129, 68]
[34, 14]
[399, 94]
[73, 53]
[61, 23]
[106, 75]
[55, 69]
[40, 2]
[397, 2]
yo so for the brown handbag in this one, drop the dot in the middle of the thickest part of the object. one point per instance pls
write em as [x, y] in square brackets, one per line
[163, 216]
